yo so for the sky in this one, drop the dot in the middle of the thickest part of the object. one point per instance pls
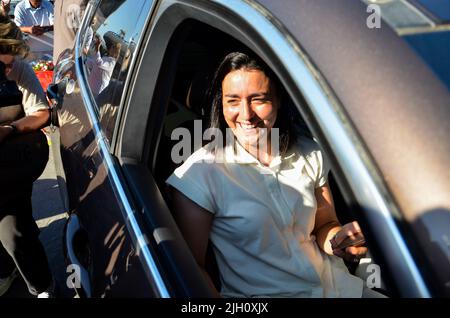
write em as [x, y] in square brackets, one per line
[125, 18]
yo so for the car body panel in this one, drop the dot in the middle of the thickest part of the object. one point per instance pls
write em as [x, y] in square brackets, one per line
[110, 256]
[89, 191]
[397, 105]
[387, 93]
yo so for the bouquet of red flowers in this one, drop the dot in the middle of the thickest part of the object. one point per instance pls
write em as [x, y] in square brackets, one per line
[44, 72]
[42, 66]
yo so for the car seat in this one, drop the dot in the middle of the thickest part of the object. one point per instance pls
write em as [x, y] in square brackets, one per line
[187, 104]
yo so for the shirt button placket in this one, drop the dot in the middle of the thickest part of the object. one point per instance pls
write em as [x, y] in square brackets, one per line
[276, 196]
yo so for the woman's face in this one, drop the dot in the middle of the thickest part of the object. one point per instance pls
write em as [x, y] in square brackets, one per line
[248, 105]
[8, 60]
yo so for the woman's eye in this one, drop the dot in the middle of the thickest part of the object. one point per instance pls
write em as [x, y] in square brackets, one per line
[233, 102]
[258, 101]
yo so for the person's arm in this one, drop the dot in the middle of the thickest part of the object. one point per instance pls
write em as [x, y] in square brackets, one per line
[194, 223]
[26, 124]
[105, 64]
[327, 226]
[18, 16]
[32, 122]
[34, 101]
[33, 30]
[26, 29]
[326, 222]
[20, 21]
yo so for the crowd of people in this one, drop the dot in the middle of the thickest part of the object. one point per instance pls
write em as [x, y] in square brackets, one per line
[23, 145]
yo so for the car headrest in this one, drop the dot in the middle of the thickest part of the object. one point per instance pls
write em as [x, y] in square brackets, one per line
[196, 98]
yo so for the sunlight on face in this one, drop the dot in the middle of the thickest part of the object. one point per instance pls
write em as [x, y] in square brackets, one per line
[249, 104]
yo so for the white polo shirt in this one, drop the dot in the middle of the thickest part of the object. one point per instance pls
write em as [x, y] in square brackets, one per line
[25, 15]
[263, 219]
[100, 72]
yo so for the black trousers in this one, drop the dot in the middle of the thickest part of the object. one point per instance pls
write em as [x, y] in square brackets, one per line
[22, 160]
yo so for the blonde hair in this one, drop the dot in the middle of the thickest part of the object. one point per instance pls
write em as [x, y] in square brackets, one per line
[11, 40]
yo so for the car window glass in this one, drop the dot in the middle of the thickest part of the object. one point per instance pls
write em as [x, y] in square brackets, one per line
[108, 47]
[423, 24]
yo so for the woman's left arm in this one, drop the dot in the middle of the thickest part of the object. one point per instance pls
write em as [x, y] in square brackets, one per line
[326, 222]
[328, 227]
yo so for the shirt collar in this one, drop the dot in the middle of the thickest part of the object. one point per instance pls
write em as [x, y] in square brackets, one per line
[236, 153]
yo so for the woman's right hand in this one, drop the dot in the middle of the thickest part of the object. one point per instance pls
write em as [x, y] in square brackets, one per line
[348, 243]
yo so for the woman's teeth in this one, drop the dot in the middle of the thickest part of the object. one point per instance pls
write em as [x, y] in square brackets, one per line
[248, 126]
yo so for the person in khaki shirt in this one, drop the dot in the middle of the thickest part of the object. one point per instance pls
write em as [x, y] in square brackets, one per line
[23, 157]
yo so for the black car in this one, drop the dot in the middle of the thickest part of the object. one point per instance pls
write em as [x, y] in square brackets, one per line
[372, 95]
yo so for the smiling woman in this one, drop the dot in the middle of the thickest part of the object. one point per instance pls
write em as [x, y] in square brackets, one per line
[269, 214]
[246, 99]
[249, 108]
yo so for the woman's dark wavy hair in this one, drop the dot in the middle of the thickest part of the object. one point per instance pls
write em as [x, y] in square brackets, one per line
[241, 61]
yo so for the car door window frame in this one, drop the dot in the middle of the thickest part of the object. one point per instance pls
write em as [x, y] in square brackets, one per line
[137, 235]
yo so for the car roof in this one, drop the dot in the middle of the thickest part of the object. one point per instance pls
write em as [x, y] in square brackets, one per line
[398, 105]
